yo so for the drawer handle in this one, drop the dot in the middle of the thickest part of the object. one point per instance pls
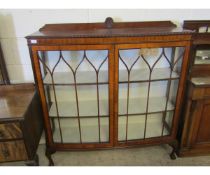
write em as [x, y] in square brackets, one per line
[5, 153]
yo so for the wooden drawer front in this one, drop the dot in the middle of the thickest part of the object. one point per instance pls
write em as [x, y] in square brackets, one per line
[12, 151]
[10, 131]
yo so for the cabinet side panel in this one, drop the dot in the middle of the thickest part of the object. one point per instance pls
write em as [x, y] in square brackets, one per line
[33, 126]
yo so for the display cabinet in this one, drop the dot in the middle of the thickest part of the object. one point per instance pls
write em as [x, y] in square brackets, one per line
[194, 128]
[106, 85]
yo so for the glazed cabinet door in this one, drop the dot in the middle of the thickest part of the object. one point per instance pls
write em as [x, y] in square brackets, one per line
[76, 87]
[150, 80]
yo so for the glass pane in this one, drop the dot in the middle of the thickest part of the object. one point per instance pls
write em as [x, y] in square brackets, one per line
[155, 126]
[136, 127]
[68, 130]
[133, 126]
[168, 123]
[77, 91]
[202, 57]
[90, 130]
[148, 86]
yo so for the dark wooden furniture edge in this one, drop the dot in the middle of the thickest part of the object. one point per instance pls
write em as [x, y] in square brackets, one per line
[32, 129]
[3, 68]
[195, 24]
[109, 23]
[198, 38]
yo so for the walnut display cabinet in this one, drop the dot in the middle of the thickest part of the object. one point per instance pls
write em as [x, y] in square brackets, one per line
[194, 132]
[108, 85]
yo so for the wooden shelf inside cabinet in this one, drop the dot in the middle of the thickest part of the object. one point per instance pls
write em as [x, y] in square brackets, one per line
[89, 132]
[88, 108]
[137, 125]
[70, 132]
[82, 78]
[89, 77]
[135, 93]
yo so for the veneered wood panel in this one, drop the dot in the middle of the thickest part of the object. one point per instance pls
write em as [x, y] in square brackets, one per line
[10, 131]
[12, 151]
[14, 100]
[200, 70]
[115, 40]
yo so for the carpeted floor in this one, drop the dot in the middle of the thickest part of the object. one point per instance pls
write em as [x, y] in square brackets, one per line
[147, 156]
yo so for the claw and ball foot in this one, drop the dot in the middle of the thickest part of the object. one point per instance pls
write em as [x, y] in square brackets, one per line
[173, 153]
[48, 154]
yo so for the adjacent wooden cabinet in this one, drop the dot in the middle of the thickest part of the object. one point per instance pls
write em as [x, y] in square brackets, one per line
[194, 132]
[105, 85]
[21, 123]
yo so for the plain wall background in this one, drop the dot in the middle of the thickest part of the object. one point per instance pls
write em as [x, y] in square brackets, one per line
[16, 24]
